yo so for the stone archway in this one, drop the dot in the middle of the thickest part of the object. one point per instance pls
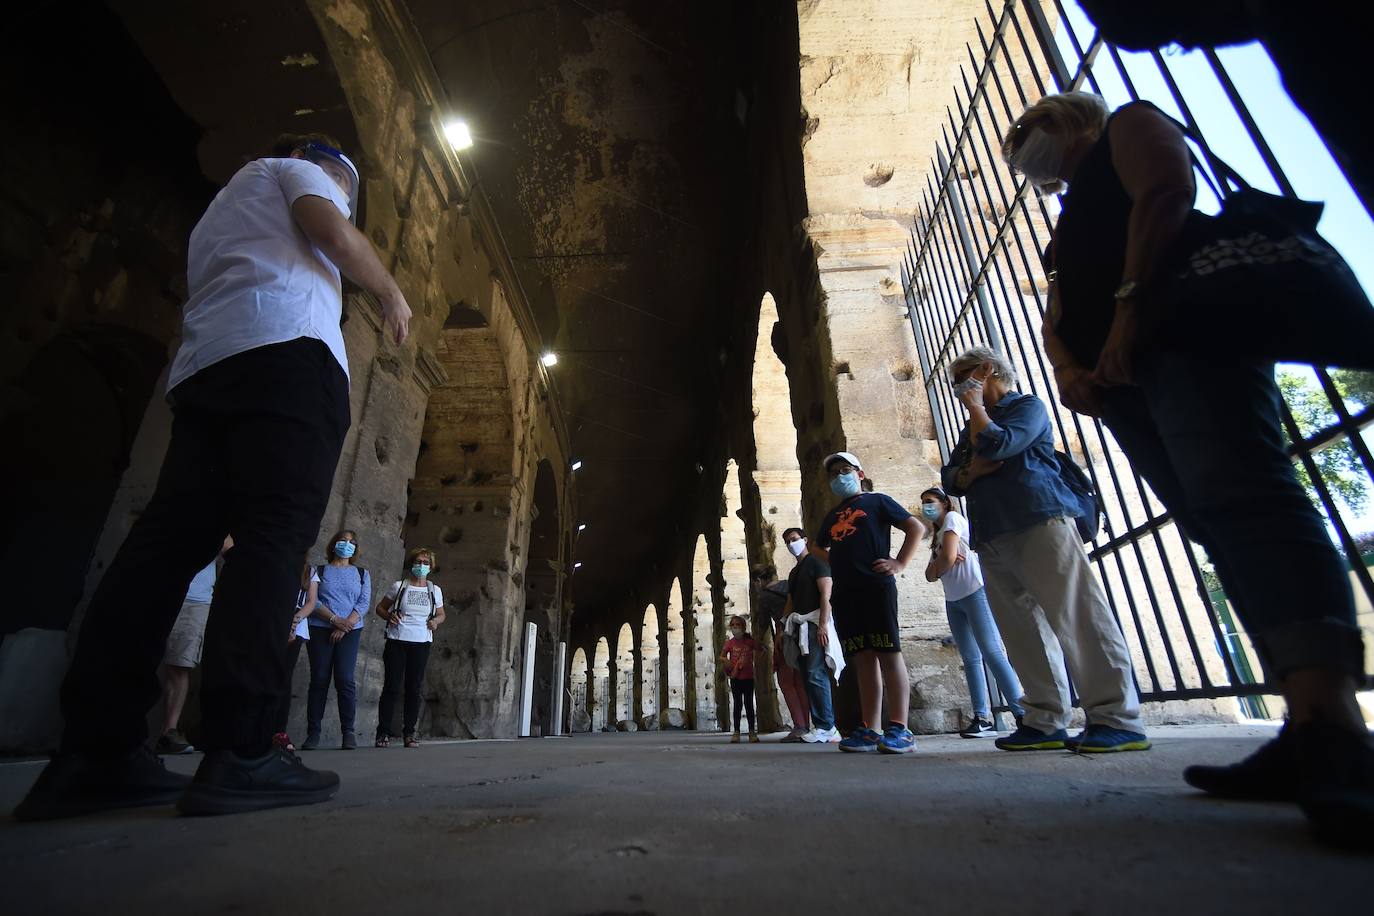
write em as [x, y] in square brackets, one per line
[699, 619]
[601, 685]
[579, 718]
[673, 646]
[650, 699]
[624, 675]
[777, 475]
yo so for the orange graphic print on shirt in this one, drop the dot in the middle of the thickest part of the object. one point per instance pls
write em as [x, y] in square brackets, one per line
[844, 523]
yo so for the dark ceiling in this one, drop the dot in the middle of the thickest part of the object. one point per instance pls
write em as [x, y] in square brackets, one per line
[610, 140]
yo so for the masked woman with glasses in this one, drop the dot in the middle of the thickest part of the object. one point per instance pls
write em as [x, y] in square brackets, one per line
[345, 590]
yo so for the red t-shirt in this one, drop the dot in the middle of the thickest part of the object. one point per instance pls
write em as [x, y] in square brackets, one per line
[740, 652]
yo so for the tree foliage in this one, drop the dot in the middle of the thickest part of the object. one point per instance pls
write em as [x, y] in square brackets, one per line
[1340, 467]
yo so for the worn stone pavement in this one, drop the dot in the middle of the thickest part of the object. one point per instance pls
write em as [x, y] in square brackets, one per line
[678, 822]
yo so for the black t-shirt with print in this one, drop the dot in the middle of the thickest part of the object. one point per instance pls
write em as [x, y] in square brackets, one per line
[801, 584]
[857, 532]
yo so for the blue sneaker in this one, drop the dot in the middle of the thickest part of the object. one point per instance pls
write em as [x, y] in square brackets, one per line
[1102, 739]
[861, 741]
[898, 739]
[1026, 738]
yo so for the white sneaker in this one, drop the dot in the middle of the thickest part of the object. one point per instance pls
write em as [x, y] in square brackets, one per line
[821, 736]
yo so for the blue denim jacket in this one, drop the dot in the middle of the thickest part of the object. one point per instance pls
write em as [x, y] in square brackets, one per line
[1027, 488]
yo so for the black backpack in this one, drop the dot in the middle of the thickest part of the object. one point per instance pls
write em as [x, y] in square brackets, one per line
[1089, 519]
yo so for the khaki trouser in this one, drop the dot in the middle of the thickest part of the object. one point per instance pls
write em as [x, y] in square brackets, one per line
[1052, 612]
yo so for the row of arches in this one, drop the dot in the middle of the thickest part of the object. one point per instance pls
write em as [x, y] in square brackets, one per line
[666, 658]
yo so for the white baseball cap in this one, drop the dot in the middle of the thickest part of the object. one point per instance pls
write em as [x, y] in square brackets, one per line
[847, 457]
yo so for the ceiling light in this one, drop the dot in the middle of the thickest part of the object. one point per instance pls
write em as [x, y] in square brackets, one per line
[549, 359]
[458, 135]
[577, 565]
[577, 463]
[582, 527]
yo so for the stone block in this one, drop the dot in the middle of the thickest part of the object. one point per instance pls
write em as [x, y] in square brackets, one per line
[626, 725]
[581, 721]
[648, 723]
[672, 718]
[32, 665]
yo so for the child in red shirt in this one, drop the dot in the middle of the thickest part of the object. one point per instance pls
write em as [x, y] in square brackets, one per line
[738, 658]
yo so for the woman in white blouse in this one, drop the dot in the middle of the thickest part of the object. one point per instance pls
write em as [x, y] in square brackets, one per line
[413, 609]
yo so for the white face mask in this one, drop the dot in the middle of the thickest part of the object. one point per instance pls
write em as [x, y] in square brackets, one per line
[797, 547]
[1040, 159]
[736, 632]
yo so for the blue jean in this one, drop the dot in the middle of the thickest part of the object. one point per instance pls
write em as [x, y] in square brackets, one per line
[976, 635]
[1205, 433]
[332, 660]
[816, 674]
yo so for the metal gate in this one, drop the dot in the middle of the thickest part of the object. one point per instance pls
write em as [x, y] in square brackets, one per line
[972, 275]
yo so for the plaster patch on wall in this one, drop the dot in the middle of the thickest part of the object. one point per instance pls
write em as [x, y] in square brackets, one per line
[300, 60]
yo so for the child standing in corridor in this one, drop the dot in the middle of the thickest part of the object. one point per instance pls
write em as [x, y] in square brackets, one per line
[855, 540]
[738, 659]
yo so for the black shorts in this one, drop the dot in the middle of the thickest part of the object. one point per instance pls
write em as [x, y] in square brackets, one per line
[866, 619]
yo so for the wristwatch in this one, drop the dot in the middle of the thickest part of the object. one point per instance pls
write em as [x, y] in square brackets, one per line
[1127, 290]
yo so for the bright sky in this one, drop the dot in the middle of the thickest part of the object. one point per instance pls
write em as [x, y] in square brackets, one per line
[1299, 150]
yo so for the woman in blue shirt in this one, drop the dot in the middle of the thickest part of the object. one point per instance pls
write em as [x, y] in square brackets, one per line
[337, 621]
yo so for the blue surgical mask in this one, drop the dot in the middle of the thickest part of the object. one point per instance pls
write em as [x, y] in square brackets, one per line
[345, 549]
[930, 511]
[419, 570]
[845, 485]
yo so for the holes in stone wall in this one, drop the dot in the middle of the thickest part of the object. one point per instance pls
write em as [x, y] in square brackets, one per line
[450, 534]
[382, 446]
[842, 368]
[902, 370]
[878, 174]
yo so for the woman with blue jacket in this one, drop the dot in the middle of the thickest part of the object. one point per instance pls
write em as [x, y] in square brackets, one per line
[1050, 607]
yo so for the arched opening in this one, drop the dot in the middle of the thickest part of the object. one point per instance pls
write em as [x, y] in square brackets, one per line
[673, 645]
[579, 717]
[601, 684]
[649, 697]
[543, 593]
[776, 472]
[700, 616]
[460, 502]
[624, 674]
[734, 567]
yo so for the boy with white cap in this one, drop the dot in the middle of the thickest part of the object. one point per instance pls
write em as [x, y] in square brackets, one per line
[855, 540]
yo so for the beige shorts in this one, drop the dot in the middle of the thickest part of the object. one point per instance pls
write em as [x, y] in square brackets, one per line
[188, 636]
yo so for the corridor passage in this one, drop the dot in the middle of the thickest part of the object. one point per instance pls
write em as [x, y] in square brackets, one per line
[678, 822]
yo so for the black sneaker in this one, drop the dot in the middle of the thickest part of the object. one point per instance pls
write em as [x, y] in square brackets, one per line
[312, 741]
[978, 727]
[229, 784]
[1271, 773]
[173, 742]
[350, 740]
[73, 784]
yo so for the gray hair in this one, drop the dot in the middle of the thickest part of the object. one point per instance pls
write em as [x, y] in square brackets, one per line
[974, 357]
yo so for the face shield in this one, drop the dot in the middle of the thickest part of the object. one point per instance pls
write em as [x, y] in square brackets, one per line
[332, 161]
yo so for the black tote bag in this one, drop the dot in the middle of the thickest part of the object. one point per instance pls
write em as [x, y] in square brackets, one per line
[1257, 280]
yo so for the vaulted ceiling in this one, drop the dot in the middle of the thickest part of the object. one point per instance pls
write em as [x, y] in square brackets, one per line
[610, 142]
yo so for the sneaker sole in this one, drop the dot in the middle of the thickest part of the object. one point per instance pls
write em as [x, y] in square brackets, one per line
[1096, 749]
[884, 749]
[979, 735]
[57, 809]
[203, 801]
[867, 749]
[1039, 746]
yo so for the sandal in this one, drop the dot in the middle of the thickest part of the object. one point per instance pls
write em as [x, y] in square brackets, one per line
[412, 742]
[382, 742]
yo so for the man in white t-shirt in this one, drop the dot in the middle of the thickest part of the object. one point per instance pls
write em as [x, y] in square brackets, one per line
[259, 393]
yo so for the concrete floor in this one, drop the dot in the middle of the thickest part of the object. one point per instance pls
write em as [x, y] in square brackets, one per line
[666, 823]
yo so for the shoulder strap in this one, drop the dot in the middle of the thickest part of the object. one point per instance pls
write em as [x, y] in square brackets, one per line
[319, 571]
[362, 575]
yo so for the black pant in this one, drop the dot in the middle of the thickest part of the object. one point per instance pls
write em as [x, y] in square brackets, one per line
[404, 662]
[293, 654]
[255, 441]
[743, 693]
